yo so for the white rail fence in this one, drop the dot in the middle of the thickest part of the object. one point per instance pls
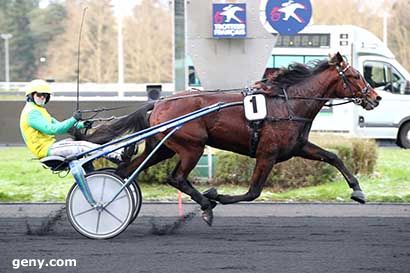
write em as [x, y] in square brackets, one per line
[69, 89]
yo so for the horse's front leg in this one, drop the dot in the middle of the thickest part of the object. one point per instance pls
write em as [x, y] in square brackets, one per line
[178, 179]
[260, 174]
[313, 152]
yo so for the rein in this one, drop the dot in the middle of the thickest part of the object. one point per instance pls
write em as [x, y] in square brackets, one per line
[104, 109]
[215, 92]
[347, 100]
[97, 111]
[291, 115]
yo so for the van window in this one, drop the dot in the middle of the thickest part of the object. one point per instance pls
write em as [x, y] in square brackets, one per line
[286, 60]
[384, 76]
[270, 62]
[193, 79]
[314, 58]
[399, 83]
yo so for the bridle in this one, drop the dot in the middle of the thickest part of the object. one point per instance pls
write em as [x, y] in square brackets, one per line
[347, 84]
[358, 97]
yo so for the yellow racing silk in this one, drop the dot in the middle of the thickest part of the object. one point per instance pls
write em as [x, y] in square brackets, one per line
[38, 128]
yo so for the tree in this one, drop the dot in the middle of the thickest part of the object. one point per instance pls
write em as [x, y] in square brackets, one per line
[369, 15]
[148, 44]
[32, 29]
[4, 28]
[16, 21]
[399, 34]
[45, 24]
[347, 12]
[98, 46]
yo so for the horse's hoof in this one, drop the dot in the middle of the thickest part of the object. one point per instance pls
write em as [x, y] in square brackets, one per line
[358, 196]
[208, 216]
[211, 193]
[213, 204]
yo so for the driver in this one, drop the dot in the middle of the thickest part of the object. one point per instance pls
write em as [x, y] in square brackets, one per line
[39, 128]
[367, 74]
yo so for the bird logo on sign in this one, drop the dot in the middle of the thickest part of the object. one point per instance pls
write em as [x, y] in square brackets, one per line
[288, 17]
[289, 10]
[229, 12]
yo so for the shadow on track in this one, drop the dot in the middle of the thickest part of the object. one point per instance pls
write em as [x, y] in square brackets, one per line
[171, 228]
[47, 224]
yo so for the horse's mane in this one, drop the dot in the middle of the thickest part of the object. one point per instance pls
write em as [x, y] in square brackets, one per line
[297, 72]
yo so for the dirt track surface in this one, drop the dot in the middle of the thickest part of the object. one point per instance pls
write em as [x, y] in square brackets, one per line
[244, 238]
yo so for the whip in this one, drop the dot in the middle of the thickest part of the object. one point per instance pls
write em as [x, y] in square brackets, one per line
[78, 60]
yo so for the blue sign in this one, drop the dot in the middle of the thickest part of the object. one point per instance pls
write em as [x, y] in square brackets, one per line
[288, 17]
[229, 20]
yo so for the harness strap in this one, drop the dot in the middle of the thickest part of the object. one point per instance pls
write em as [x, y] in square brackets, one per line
[337, 104]
[290, 118]
[291, 115]
[256, 127]
[347, 100]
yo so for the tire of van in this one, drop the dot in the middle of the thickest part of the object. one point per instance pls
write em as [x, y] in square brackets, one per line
[404, 136]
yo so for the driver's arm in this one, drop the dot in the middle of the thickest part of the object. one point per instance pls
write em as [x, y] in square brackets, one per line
[38, 122]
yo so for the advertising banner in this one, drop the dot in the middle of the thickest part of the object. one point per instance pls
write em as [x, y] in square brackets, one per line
[229, 20]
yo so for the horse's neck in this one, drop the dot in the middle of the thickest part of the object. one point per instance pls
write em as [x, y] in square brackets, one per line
[318, 86]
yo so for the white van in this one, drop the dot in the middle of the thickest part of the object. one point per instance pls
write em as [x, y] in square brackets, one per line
[391, 119]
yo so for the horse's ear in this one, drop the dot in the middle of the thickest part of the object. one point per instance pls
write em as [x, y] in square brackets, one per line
[340, 59]
[336, 59]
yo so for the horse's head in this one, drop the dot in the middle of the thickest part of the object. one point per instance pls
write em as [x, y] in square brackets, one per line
[351, 84]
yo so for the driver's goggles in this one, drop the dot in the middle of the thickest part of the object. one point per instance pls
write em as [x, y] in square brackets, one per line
[42, 94]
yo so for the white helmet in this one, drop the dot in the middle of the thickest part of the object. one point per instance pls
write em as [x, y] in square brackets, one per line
[38, 86]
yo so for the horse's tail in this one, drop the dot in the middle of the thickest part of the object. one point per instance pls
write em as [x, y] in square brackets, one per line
[131, 123]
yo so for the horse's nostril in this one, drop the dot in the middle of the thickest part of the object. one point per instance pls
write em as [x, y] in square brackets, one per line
[378, 98]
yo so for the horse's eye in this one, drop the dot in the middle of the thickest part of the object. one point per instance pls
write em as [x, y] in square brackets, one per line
[357, 77]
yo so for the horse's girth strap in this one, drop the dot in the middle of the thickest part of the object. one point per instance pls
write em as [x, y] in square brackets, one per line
[255, 127]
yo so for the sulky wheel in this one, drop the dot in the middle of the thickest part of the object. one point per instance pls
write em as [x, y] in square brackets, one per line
[100, 223]
[136, 192]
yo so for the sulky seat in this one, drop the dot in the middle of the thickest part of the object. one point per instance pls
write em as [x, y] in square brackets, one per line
[54, 162]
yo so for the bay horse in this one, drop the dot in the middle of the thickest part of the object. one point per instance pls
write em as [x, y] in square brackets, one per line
[294, 97]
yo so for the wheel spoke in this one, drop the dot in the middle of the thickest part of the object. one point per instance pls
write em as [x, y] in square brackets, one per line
[120, 197]
[102, 190]
[83, 212]
[98, 222]
[112, 215]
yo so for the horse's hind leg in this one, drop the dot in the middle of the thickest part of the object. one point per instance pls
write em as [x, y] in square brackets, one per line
[313, 152]
[260, 174]
[178, 179]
